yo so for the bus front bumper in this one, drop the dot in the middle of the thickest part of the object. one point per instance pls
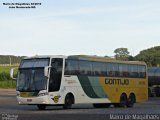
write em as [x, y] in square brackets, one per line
[33, 100]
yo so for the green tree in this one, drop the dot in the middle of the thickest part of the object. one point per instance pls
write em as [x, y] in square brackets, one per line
[151, 56]
[121, 54]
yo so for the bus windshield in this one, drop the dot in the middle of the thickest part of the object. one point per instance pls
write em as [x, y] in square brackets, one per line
[31, 75]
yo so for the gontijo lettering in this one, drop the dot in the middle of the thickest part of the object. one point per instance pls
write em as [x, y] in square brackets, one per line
[116, 81]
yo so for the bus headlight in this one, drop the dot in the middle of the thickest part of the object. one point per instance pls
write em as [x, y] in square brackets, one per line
[43, 94]
[18, 94]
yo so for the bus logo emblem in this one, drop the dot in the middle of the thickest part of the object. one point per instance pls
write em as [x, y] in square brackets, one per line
[56, 99]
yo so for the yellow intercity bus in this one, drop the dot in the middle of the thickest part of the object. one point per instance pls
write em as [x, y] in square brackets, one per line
[77, 79]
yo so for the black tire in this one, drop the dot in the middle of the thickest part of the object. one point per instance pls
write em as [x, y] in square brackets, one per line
[68, 102]
[41, 107]
[131, 100]
[101, 105]
[122, 102]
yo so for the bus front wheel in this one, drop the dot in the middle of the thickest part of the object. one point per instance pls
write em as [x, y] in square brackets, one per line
[69, 100]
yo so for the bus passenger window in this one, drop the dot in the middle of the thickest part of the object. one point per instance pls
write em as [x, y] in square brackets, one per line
[141, 70]
[71, 67]
[85, 67]
[112, 70]
[133, 71]
[99, 68]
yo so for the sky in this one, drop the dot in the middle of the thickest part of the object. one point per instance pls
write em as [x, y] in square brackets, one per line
[68, 27]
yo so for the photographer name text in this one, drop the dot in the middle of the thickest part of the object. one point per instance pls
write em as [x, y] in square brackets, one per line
[22, 5]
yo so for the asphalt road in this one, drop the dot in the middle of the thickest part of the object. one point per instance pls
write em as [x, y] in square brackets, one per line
[10, 110]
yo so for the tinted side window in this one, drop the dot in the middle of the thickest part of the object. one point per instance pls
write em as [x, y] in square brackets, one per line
[99, 68]
[71, 67]
[112, 69]
[85, 67]
[123, 68]
[133, 71]
[142, 71]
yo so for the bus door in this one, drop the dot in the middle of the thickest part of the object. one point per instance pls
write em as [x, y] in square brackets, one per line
[55, 74]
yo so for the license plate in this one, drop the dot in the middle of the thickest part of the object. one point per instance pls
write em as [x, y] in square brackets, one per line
[23, 94]
[29, 100]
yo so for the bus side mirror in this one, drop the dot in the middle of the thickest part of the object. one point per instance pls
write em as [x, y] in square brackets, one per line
[46, 70]
[12, 73]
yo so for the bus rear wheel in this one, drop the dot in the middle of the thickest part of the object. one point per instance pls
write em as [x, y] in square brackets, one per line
[41, 107]
[131, 100]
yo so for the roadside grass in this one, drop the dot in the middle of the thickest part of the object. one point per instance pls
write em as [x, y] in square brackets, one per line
[5, 80]
[7, 68]
[8, 84]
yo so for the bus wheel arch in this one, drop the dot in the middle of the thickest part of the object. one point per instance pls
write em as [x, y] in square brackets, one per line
[68, 101]
[131, 100]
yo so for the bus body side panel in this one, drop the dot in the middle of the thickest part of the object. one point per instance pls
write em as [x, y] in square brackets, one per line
[114, 87]
[85, 91]
[97, 90]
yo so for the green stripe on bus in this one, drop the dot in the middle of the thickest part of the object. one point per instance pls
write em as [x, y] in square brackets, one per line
[97, 87]
[86, 85]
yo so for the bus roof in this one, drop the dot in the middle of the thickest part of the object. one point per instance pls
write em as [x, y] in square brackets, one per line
[86, 57]
[46, 56]
[102, 59]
